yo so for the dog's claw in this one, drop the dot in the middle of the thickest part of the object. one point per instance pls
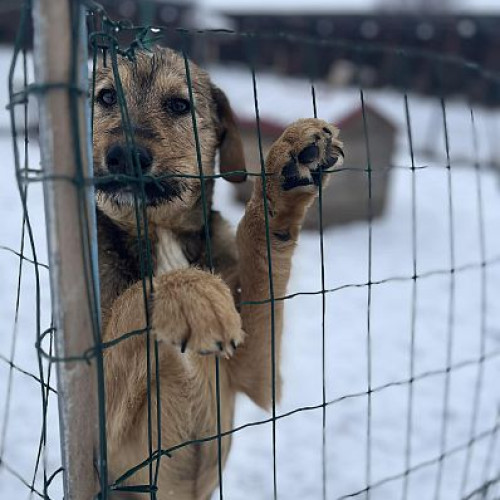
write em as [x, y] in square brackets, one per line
[184, 345]
[339, 151]
[233, 345]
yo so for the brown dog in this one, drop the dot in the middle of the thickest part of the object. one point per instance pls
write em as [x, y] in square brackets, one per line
[191, 310]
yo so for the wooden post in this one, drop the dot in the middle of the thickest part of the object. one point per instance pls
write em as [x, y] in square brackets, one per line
[71, 257]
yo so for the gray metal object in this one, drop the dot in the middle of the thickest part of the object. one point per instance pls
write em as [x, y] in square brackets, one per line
[65, 144]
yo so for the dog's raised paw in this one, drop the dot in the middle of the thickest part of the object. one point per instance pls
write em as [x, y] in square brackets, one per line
[313, 149]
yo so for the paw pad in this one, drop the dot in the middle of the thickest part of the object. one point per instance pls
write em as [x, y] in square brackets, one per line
[309, 154]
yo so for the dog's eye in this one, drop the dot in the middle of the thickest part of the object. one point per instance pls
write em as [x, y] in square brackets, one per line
[107, 97]
[178, 106]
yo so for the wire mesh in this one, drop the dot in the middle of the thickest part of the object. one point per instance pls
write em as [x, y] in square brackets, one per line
[116, 41]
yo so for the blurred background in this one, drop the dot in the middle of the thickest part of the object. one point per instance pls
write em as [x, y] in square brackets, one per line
[404, 351]
[465, 28]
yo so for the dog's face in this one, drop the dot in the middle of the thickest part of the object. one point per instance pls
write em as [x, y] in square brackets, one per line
[159, 108]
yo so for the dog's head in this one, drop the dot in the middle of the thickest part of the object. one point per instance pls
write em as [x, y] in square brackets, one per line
[160, 145]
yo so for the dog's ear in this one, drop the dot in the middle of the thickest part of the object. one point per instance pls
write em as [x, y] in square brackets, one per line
[231, 155]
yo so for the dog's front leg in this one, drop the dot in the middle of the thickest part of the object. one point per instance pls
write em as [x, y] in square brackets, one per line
[189, 309]
[293, 168]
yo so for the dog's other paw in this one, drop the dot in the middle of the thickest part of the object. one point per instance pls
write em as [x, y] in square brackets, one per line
[297, 161]
[194, 310]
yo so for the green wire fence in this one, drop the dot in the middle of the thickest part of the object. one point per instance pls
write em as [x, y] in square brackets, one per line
[112, 41]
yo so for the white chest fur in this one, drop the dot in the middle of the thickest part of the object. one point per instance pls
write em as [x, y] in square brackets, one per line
[169, 254]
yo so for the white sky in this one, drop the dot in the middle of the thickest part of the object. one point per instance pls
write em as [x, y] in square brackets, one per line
[337, 5]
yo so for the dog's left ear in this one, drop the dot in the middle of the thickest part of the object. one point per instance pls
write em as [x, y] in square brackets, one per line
[230, 145]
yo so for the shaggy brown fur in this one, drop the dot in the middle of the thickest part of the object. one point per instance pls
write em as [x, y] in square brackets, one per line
[191, 310]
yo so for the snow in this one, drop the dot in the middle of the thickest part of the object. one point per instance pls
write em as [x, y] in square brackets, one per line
[25, 414]
[248, 474]
[299, 437]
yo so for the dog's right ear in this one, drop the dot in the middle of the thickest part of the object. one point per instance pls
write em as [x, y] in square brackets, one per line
[230, 145]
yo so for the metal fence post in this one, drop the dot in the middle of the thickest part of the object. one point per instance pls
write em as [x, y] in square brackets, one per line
[65, 143]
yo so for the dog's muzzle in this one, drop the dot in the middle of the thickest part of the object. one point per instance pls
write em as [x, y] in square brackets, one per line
[129, 178]
[119, 160]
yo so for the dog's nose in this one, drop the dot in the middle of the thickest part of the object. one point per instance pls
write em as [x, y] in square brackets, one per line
[117, 159]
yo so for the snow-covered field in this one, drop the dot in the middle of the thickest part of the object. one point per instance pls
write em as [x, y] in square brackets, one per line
[248, 475]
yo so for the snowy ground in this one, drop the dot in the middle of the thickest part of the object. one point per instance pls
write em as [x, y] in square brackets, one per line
[248, 474]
